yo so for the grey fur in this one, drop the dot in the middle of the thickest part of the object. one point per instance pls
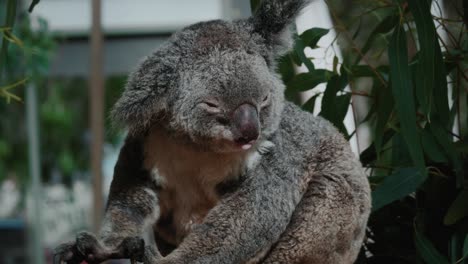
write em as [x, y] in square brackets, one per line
[298, 196]
[273, 19]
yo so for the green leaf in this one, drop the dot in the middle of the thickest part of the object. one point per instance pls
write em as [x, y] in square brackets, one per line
[458, 210]
[4, 91]
[306, 81]
[310, 104]
[383, 27]
[404, 96]
[10, 21]
[312, 36]
[396, 186]
[432, 149]
[308, 38]
[286, 68]
[369, 154]
[427, 251]
[299, 56]
[66, 162]
[461, 146]
[400, 156]
[454, 248]
[33, 4]
[254, 4]
[384, 108]
[341, 109]
[335, 107]
[12, 38]
[465, 248]
[5, 148]
[13, 85]
[444, 139]
[430, 79]
[336, 84]
[452, 58]
[356, 33]
[335, 64]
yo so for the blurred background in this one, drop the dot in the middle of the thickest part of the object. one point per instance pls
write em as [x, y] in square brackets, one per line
[64, 63]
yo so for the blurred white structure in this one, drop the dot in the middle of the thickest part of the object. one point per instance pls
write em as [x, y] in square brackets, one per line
[9, 198]
[133, 28]
[71, 17]
[64, 211]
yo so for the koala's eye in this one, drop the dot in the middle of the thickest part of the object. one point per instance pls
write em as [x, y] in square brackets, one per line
[211, 107]
[266, 100]
[210, 104]
[222, 120]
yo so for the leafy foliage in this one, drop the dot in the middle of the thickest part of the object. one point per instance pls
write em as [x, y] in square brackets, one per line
[417, 167]
[7, 37]
[62, 111]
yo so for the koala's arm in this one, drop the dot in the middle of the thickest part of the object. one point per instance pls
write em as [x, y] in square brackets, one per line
[132, 203]
[246, 222]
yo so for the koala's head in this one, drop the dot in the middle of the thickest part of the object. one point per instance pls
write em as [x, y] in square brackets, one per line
[214, 83]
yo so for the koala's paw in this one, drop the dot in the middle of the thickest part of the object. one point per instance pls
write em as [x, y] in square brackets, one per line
[67, 253]
[88, 248]
[132, 248]
[151, 255]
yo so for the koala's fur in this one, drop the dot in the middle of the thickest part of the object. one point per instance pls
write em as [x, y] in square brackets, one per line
[298, 195]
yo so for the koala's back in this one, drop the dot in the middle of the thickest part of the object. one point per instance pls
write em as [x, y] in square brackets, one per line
[328, 224]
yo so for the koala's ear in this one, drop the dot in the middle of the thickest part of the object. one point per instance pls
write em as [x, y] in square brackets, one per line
[145, 97]
[273, 20]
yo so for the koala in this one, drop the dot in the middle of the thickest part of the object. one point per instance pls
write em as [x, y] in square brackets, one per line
[220, 165]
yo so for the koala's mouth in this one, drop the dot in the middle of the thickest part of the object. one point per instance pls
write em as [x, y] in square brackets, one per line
[245, 143]
[245, 146]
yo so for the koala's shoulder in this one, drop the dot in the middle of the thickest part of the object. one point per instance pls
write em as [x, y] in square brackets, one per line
[302, 132]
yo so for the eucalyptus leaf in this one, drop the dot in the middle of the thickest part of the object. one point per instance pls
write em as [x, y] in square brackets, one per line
[300, 56]
[9, 22]
[404, 96]
[33, 4]
[444, 139]
[387, 24]
[286, 68]
[312, 36]
[465, 248]
[310, 104]
[306, 81]
[369, 154]
[396, 186]
[384, 107]
[432, 149]
[427, 251]
[430, 79]
[334, 104]
[458, 210]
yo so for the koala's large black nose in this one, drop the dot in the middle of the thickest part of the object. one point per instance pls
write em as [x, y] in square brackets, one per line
[246, 126]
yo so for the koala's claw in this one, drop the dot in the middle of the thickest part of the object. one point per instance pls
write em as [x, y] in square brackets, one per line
[67, 253]
[88, 248]
[132, 248]
[85, 248]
